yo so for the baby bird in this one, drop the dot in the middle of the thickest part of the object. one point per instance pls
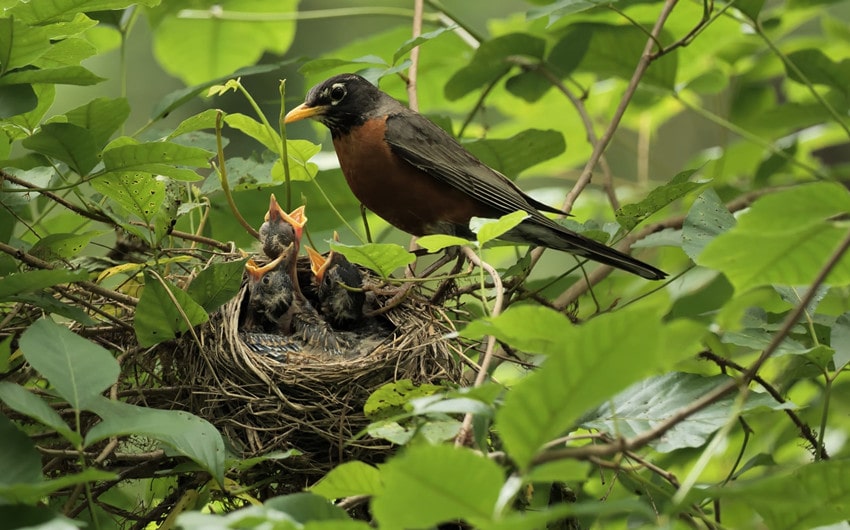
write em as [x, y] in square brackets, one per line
[280, 229]
[339, 287]
[271, 293]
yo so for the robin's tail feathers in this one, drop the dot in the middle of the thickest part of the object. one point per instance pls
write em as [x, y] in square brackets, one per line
[562, 239]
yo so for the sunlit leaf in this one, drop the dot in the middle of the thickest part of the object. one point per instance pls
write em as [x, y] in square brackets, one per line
[494, 229]
[383, 258]
[630, 215]
[67, 142]
[437, 242]
[426, 485]
[347, 479]
[155, 157]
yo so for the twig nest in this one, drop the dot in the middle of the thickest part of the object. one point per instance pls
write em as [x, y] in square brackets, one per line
[303, 400]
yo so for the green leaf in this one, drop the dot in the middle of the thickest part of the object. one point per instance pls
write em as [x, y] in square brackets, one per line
[427, 485]
[567, 54]
[615, 50]
[186, 433]
[812, 495]
[32, 281]
[347, 479]
[513, 155]
[495, 229]
[25, 402]
[254, 129]
[101, 117]
[419, 40]
[561, 8]
[819, 69]
[198, 49]
[139, 193]
[203, 120]
[155, 157]
[707, 219]
[41, 12]
[383, 258]
[62, 246]
[304, 507]
[158, 318]
[77, 368]
[436, 242]
[639, 408]
[35, 492]
[784, 238]
[67, 142]
[16, 99]
[46, 301]
[21, 44]
[389, 399]
[317, 66]
[19, 459]
[217, 284]
[586, 364]
[751, 8]
[299, 153]
[490, 62]
[839, 339]
[63, 75]
[630, 215]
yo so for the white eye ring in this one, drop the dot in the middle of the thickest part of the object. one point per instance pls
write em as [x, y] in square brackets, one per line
[337, 93]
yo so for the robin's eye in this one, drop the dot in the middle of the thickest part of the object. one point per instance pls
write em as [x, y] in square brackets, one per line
[338, 92]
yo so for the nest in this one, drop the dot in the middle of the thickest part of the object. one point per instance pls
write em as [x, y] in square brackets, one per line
[309, 403]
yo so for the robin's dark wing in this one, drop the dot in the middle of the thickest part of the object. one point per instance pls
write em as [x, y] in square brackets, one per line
[426, 146]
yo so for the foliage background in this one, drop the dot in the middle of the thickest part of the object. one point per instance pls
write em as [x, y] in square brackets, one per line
[697, 402]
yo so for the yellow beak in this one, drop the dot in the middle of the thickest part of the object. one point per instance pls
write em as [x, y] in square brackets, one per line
[302, 111]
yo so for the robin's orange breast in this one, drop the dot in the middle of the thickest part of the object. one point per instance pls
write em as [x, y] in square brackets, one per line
[403, 195]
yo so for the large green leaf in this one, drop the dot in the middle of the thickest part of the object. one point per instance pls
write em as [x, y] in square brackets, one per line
[67, 142]
[53, 10]
[347, 479]
[198, 49]
[707, 219]
[62, 246]
[21, 44]
[78, 369]
[34, 492]
[513, 155]
[217, 284]
[101, 117]
[164, 314]
[125, 155]
[784, 238]
[383, 258]
[22, 400]
[15, 100]
[645, 404]
[137, 192]
[491, 62]
[427, 485]
[28, 281]
[809, 496]
[19, 459]
[586, 364]
[186, 433]
[61, 75]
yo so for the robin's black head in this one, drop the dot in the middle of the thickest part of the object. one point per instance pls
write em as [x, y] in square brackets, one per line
[340, 103]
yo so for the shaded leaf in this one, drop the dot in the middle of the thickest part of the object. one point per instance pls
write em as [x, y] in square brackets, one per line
[523, 150]
[55, 10]
[30, 281]
[22, 400]
[383, 258]
[102, 117]
[78, 369]
[155, 157]
[644, 405]
[217, 284]
[50, 304]
[490, 62]
[419, 40]
[19, 459]
[137, 192]
[61, 246]
[158, 318]
[812, 495]
[615, 50]
[839, 339]
[426, 485]
[63, 75]
[16, 99]
[67, 142]
[33, 492]
[304, 507]
[347, 479]
[707, 219]
[186, 433]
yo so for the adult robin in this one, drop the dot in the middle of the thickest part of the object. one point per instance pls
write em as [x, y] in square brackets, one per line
[420, 179]
[279, 228]
[339, 286]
